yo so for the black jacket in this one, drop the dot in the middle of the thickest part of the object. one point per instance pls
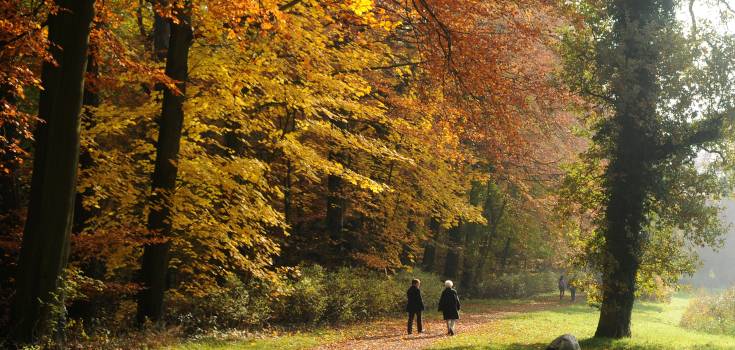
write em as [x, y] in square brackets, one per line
[449, 304]
[415, 301]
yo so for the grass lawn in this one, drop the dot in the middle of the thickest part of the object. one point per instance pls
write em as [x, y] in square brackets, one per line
[655, 326]
[284, 341]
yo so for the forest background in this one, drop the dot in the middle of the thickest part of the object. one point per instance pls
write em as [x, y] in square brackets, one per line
[246, 147]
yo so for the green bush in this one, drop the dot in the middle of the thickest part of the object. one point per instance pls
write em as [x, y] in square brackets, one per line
[519, 285]
[316, 296]
[237, 305]
[350, 294]
[431, 288]
[712, 313]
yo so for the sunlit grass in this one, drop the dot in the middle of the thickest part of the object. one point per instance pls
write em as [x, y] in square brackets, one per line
[285, 341]
[655, 326]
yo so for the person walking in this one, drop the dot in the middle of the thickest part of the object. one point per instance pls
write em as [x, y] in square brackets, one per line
[415, 305]
[573, 288]
[449, 306]
[562, 287]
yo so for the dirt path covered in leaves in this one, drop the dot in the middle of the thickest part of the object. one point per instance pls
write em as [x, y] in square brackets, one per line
[391, 333]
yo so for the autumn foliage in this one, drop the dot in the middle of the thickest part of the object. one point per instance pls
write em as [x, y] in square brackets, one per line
[314, 132]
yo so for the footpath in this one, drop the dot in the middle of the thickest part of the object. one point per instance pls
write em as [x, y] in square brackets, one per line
[391, 333]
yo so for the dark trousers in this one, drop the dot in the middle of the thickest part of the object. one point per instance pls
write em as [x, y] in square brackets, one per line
[418, 321]
[574, 291]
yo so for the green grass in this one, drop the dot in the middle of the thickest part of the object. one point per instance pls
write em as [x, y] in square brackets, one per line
[490, 304]
[654, 326]
[285, 341]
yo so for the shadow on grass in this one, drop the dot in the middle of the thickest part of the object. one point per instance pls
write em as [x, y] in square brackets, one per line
[586, 344]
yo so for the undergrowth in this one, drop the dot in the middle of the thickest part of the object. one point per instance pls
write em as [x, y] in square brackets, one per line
[712, 313]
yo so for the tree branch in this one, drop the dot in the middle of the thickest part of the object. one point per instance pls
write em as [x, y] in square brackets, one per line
[289, 5]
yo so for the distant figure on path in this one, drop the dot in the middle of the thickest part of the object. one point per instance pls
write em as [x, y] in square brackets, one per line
[562, 287]
[573, 288]
[449, 306]
[415, 305]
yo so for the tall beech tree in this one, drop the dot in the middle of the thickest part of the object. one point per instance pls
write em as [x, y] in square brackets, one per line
[155, 260]
[38, 297]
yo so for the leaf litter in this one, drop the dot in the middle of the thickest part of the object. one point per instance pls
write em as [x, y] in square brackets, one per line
[391, 333]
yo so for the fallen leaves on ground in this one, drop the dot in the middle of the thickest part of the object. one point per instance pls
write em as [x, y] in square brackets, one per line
[391, 333]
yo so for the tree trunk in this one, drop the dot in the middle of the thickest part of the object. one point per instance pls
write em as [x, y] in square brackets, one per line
[631, 174]
[451, 265]
[493, 216]
[154, 264]
[467, 280]
[429, 259]
[506, 252]
[336, 202]
[46, 237]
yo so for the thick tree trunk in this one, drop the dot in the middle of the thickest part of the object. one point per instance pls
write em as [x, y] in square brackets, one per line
[47, 232]
[631, 174]
[429, 259]
[154, 264]
[451, 265]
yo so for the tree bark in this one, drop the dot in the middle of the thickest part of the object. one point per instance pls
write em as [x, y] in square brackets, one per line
[429, 259]
[155, 260]
[47, 232]
[506, 252]
[336, 202]
[451, 265]
[466, 281]
[631, 174]
[494, 215]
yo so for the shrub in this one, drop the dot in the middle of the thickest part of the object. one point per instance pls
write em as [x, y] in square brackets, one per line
[236, 305]
[520, 285]
[316, 296]
[432, 286]
[712, 313]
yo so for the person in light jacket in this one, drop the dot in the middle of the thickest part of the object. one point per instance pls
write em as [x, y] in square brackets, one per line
[449, 306]
[415, 306]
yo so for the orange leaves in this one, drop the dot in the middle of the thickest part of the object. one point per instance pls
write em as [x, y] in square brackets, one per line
[487, 73]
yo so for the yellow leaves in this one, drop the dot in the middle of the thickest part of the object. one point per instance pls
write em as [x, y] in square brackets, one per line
[361, 6]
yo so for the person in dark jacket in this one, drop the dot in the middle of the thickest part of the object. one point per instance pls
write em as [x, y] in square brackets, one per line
[562, 287]
[415, 306]
[449, 306]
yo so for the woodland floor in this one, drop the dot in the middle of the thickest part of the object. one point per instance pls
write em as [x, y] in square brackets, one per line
[527, 324]
[391, 333]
